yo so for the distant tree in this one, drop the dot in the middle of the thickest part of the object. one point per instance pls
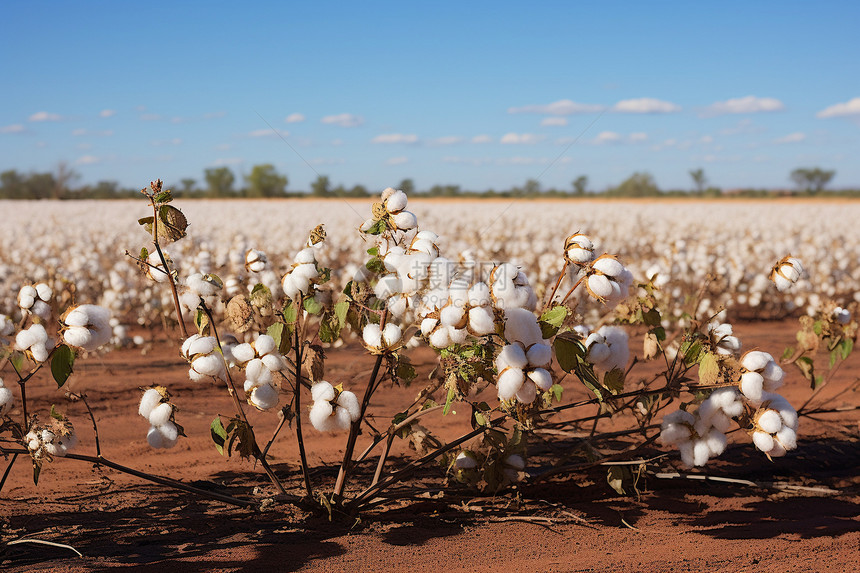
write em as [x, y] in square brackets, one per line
[41, 186]
[407, 186]
[265, 181]
[640, 184]
[64, 176]
[361, 191]
[532, 187]
[13, 185]
[580, 185]
[321, 187]
[699, 179]
[219, 181]
[812, 180]
[188, 185]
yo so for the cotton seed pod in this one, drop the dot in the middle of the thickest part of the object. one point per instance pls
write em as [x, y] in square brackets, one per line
[768, 421]
[27, 296]
[511, 356]
[160, 414]
[751, 385]
[255, 261]
[243, 353]
[539, 355]
[264, 345]
[204, 285]
[6, 399]
[396, 202]
[44, 292]
[541, 378]
[150, 399]
[391, 334]
[256, 371]
[405, 220]
[509, 382]
[578, 249]
[372, 335]
[481, 321]
[527, 392]
[349, 402]
[322, 391]
[264, 397]
[786, 272]
[209, 365]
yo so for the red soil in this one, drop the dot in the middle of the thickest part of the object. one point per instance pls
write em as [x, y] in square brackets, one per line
[807, 521]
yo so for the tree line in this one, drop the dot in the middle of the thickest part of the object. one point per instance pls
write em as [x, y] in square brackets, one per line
[264, 181]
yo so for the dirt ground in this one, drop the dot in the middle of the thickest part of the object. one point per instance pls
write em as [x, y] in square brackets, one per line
[800, 514]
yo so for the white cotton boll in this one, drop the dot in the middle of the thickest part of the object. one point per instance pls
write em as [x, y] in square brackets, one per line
[290, 288]
[452, 315]
[256, 371]
[513, 356]
[160, 414]
[387, 286]
[405, 220]
[306, 255]
[186, 346]
[29, 293]
[169, 431]
[391, 334]
[701, 453]
[599, 286]
[190, 300]
[608, 266]
[687, 455]
[789, 417]
[721, 422]
[789, 272]
[457, 335]
[249, 385]
[349, 402]
[482, 320]
[773, 373]
[541, 378]
[243, 353]
[155, 438]
[77, 317]
[396, 202]
[274, 362]
[509, 383]
[322, 391]
[26, 301]
[527, 392]
[264, 397]
[77, 336]
[441, 272]
[521, 326]
[6, 399]
[514, 461]
[306, 271]
[372, 335]
[264, 345]
[209, 365]
[770, 421]
[752, 385]
[195, 376]
[672, 434]
[320, 414]
[763, 441]
[53, 449]
[466, 461]
[47, 436]
[427, 326]
[598, 353]
[200, 345]
[777, 451]
[150, 399]
[340, 419]
[787, 437]
[301, 284]
[539, 355]
[425, 246]
[782, 283]
[479, 295]
[440, 338]
[40, 353]
[25, 339]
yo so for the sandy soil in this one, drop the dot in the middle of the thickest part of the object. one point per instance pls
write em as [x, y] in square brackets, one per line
[802, 515]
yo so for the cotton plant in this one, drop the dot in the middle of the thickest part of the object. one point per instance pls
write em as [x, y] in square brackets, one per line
[155, 407]
[54, 439]
[201, 289]
[608, 348]
[523, 363]
[334, 409]
[87, 326]
[34, 342]
[260, 360]
[202, 353]
[256, 261]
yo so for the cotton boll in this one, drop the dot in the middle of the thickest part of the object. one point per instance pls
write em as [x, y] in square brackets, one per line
[481, 321]
[274, 362]
[763, 441]
[521, 326]
[527, 392]
[209, 365]
[322, 391]
[256, 371]
[388, 286]
[320, 414]
[777, 451]
[769, 421]
[77, 317]
[756, 360]
[264, 345]
[541, 378]
[598, 353]
[340, 420]
[701, 453]
[290, 287]
[40, 353]
[307, 272]
[155, 438]
[509, 383]
[170, 433]
[787, 437]
[372, 335]
[391, 334]
[457, 335]
[452, 315]
[243, 353]
[427, 326]
[466, 461]
[599, 286]
[306, 256]
[608, 266]
[752, 385]
[160, 414]
[349, 402]
[150, 399]
[77, 336]
[264, 397]
[512, 356]
[396, 202]
[200, 345]
[439, 338]
[405, 220]
[6, 399]
[539, 355]
[479, 295]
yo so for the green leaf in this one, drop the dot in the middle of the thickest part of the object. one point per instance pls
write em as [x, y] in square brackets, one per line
[807, 369]
[17, 360]
[291, 313]
[261, 296]
[375, 265]
[163, 197]
[556, 391]
[652, 317]
[374, 251]
[709, 369]
[405, 370]
[788, 352]
[819, 380]
[615, 479]
[481, 419]
[61, 364]
[660, 333]
[377, 228]
[219, 434]
[341, 309]
[818, 327]
[145, 221]
[276, 331]
[327, 331]
[451, 393]
[614, 380]
[834, 355]
[846, 347]
[56, 415]
[568, 352]
[692, 353]
[551, 320]
[312, 305]
[144, 254]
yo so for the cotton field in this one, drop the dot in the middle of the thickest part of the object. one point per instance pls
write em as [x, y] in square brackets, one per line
[729, 247]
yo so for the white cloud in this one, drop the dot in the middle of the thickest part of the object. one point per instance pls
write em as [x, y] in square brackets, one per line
[107, 113]
[791, 138]
[44, 116]
[607, 137]
[294, 118]
[395, 138]
[267, 132]
[482, 139]
[559, 121]
[645, 105]
[521, 138]
[87, 160]
[343, 120]
[561, 107]
[14, 128]
[447, 140]
[748, 104]
[224, 161]
[850, 107]
[396, 160]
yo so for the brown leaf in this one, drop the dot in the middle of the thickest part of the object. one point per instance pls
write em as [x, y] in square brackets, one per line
[315, 362]
[650, 346]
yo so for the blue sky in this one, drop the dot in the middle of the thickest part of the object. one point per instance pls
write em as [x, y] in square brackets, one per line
[481, 94]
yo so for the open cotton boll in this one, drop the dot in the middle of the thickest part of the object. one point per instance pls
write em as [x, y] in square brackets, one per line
[598, 352]
[752, 386]
[169, 431]
[255, 261]
[274, 362]
[160, 414]
[481, 321]
[77, 336]
[349, 402]
[209, 365]
[319, 415]
[509, 383]
[539, 355]
[599, 286]
[264, 397]
[452, 315]
[701, 453]
[322, 391]
[6, 399]
[203, 285]
[306, 271]
[306, 256]
[387, 286]
[264, 344]
[479, 295]
[763, 441]
[521, 326]
[541, 378]
[756, 360]
[787, 437]
[527, 392]
[440, 338]
[427, 326]
[396, 202]
[243, 353]
[769, 421]
[608, 266]
[199, 345]
[391, 334]
[150, 399]
[372, 335]
[27, 296]
[257, 372]
[405, 220]
[513, 356]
